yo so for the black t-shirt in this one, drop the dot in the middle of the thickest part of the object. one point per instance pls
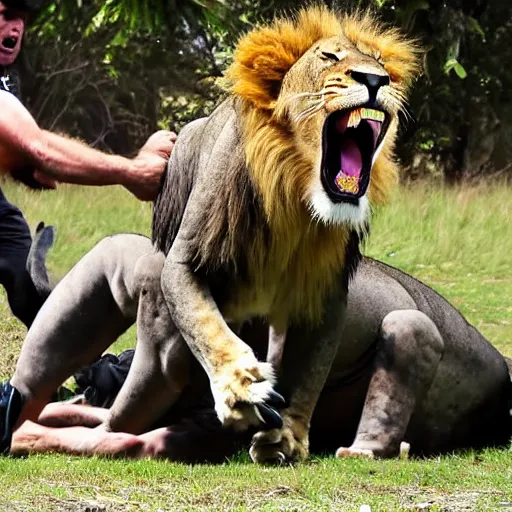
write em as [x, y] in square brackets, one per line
[9, 81]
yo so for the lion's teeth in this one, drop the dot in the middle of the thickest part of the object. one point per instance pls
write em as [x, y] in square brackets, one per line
[356, 115]
[372, 114]
[354, 118]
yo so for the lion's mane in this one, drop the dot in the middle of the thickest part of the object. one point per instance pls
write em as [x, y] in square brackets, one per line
[260, 214]
[262, 59]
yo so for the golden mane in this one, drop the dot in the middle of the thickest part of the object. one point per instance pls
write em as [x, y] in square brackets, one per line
[264, 55]
[262, 59]
[259, 227]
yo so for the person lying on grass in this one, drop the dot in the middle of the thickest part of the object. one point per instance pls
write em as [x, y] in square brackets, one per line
[40, 158]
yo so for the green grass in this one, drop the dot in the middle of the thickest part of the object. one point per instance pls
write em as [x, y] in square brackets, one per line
[458, 241]
[468, 482]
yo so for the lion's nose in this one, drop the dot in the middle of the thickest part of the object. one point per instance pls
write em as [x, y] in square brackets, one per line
[372, 82]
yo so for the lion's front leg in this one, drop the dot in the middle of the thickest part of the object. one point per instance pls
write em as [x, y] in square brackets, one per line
[242, 386]
[305, 364]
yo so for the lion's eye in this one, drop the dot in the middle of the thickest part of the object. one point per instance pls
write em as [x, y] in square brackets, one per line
[330, 56]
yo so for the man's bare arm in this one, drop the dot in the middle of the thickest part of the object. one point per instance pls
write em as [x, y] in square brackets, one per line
[70, 161]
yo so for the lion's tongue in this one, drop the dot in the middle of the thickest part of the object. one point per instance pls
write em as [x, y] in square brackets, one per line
[351, 160]
[351, 163]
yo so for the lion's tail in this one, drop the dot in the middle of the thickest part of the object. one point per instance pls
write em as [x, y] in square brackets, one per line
[36, 261]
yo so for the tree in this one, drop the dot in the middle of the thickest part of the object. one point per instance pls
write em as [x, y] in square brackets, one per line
[462, 104]
[111, 71]
[100, 71]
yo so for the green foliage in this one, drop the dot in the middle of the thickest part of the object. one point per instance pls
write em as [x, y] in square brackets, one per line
[461, 104]
[100, 71]
[112, 71]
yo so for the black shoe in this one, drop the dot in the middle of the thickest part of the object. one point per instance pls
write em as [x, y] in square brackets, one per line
[11, 403]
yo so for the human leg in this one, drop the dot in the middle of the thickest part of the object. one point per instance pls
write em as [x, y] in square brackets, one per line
[15, 240]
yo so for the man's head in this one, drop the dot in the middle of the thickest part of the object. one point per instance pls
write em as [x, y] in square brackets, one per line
[13, 18]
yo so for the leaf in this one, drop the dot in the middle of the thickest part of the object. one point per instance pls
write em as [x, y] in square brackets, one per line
[461, 72]
[456, 66]
[244, 19]
[449, 65]
[476, 27]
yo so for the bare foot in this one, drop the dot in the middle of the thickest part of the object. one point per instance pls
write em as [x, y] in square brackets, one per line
[34, 438]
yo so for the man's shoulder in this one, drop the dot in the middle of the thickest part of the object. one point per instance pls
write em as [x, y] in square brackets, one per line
[9, 100]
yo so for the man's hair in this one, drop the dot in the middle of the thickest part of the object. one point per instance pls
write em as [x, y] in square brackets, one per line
[24, 5]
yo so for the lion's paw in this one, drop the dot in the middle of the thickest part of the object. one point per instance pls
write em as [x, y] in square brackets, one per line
[278, 446]
[244, 395]
[354, 452]
[373, 450]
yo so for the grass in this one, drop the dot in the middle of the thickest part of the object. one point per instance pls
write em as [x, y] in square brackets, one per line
[458, 241]
[467, 482]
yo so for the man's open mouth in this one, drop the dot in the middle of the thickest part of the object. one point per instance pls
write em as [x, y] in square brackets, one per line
[350, 140]
[9, 43]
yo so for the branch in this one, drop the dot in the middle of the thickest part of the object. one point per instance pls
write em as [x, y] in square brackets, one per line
[67, 70]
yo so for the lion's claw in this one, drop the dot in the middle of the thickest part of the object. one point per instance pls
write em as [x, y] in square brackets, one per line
[281, 458]
[244, 395]
[268, 416]
[267, 412]
[275, 400]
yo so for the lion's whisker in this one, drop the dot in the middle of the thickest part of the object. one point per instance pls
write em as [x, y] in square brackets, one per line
[305, 95]
[407, 114]
[318, 101]
[309, 111]
[288, 101]
[308, 95]
[398, 95]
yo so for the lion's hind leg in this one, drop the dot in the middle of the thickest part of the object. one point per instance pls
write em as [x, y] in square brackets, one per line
[161, 364]
[406, 363]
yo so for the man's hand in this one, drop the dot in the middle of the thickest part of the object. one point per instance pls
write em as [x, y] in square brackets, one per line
[34, 179]
[46, 182]
[150, 164]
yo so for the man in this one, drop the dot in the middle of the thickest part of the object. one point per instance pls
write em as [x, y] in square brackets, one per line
[41, 158]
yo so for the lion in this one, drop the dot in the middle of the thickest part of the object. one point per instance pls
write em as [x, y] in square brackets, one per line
[265, 203]
[410, 370]
[261, 215]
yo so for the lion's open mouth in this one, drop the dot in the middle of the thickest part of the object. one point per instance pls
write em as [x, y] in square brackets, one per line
[350, 141]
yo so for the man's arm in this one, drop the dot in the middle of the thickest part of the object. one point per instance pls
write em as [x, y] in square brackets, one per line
[70, 161]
